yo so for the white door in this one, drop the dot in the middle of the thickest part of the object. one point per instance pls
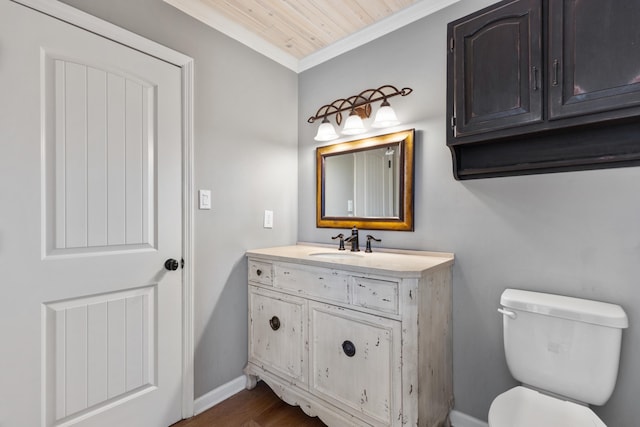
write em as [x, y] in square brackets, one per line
[90, 209]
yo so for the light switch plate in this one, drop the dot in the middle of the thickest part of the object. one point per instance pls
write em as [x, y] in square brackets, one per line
[268, 219]
[204, 199]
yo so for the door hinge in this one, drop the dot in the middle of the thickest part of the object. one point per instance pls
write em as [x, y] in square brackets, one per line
[452, 44]
[453, 122]
[182, 263]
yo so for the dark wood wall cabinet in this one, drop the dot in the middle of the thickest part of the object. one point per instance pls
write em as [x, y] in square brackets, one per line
[536, 86]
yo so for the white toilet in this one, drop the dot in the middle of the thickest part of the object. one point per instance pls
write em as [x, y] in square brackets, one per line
[565, 351]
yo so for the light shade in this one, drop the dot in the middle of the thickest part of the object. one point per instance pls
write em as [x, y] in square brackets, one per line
[353, 125]
[385, 117]
[326, 131]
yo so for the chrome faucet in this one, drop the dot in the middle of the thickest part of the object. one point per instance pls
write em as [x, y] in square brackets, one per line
[353, 239]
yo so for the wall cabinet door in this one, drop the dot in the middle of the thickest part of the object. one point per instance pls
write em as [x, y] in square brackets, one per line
[594, 56]
[277, 333]
[497, 60]
[355, 361]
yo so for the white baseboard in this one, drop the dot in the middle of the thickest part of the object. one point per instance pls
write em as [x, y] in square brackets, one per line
[219, 394]
[459, 419]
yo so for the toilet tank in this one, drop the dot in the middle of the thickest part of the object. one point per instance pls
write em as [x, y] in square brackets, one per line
[563, 345]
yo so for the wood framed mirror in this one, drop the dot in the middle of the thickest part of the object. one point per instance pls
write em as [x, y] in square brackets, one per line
[367, 183]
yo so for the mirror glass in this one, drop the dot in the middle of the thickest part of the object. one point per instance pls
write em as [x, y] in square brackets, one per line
[367, 183]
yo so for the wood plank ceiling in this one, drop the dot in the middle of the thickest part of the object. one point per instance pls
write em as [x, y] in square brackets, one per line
[302, 27]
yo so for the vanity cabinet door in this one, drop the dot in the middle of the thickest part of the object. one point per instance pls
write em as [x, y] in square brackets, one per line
[496, 60]
[355, 362]
[277, 333]
[594, 57]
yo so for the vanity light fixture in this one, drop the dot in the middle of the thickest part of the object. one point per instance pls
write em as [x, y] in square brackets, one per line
[359, 107]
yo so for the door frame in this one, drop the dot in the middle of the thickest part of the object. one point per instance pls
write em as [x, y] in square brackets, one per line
[110, 31]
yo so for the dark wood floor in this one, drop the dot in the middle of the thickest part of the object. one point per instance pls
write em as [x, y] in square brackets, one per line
[259, 407]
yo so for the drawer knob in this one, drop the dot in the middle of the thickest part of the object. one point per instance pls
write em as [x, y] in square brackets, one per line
[274, 322]
[259, 272]
[348, 348]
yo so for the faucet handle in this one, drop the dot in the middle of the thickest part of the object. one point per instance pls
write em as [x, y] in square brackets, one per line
[369, 239]
[341, 237]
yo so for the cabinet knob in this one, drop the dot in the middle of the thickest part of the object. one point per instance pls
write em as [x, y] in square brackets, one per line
[348, 348]
[259, 272]
[274, 322]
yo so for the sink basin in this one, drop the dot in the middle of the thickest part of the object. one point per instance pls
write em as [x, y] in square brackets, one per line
[336, 255]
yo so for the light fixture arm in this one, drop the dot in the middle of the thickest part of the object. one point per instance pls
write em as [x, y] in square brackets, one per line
[360, 103]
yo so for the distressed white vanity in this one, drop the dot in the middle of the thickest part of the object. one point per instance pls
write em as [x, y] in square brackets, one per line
[357, 339]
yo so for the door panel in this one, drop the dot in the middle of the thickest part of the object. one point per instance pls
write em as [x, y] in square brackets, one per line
[101, 161]
[91, 131]
[102, 348]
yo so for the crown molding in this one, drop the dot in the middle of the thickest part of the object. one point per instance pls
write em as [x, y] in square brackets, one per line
[201, 12]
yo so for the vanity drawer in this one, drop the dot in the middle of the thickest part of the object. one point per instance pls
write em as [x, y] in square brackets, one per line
[261, 272]
[320, 282]
[375, 293]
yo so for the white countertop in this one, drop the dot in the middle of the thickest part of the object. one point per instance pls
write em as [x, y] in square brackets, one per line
[398, 262]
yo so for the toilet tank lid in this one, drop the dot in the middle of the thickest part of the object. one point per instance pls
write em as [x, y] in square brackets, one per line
[578, 309]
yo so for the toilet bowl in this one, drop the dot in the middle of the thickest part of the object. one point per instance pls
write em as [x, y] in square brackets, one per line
[565, 351]
[524, 407]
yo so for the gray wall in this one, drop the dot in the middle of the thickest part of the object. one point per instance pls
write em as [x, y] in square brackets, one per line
[245, 152]
[570, 233]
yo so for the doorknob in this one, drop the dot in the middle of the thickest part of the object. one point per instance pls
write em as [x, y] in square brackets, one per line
[171, 264]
